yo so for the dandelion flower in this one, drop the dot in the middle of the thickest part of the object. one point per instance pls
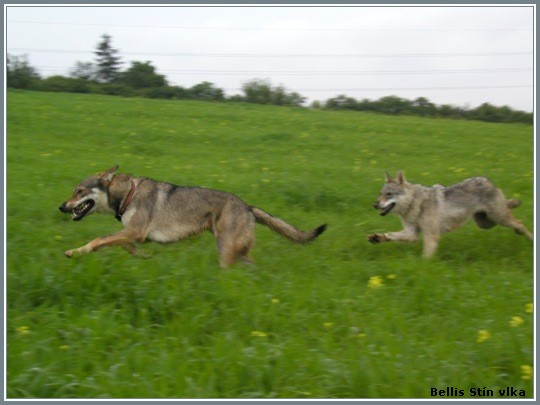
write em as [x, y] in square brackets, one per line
[529, 308]
[275, 301]
[483, 335]
[375, 282]
[258, 333]
[23, 330]
[526, 372]
[516, 321]
[391, 276]
[328, 325]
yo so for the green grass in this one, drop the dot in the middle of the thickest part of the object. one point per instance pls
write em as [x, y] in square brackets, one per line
[304, 322]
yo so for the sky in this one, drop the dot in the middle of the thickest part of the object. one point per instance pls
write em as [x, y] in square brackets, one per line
[458, 55]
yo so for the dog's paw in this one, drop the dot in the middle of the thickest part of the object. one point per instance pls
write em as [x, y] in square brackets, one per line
[69, 253]
[376, 238]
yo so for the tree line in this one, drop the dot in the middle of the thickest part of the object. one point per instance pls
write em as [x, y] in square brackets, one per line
[423, 107]
[106, 76]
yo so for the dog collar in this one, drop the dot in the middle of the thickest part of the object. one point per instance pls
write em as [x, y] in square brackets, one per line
[124, 206]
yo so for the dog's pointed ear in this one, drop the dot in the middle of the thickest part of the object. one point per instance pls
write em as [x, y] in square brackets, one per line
[388, 177]
[107, 176]
[400, 177]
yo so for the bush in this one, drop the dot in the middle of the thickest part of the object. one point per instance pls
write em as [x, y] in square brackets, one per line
[114, 89]
[62, 84]
[260, 91]
[206, 91]
[165, 92]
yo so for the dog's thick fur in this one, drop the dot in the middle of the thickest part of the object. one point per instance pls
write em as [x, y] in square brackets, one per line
[162, 212]
[434, 210]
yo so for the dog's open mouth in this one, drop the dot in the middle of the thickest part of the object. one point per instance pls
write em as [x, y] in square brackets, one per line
[387, 209]
[82, 209]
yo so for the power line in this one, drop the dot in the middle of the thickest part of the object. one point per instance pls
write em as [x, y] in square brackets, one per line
[392, 89]
[300, 56]
[322, 73]
[402, 30]
[349, 73]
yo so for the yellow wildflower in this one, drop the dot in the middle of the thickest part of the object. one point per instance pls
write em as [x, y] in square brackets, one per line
[258, 333]
[526, 372]
[516, 321]
[375, 282]
[23, 330]
[529, 308]
[483, 335]
[328, 325]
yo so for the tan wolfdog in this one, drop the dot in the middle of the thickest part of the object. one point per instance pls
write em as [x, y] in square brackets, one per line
[434, 210]
[156, 211]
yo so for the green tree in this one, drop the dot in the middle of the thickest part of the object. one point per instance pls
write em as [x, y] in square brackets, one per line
[257, 91]
[84, 71]
[107, 61]
[393, 105]
[341, 102]
[422, 106]
[280, 96]
[19, 72]
[142, 75]
[261, 91]
[206, 91]
[486, 112]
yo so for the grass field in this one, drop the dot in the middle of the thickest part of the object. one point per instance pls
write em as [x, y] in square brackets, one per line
[338, 318]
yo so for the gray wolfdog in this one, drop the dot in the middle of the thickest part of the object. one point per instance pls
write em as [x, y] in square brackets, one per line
[165, 213]
[438, 209]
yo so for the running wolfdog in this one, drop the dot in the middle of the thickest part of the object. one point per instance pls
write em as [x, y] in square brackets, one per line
[438, 209]
[165, 213]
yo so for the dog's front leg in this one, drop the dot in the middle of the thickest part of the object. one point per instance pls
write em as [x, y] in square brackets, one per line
[409, 234]
[122, 238]
[431, 242]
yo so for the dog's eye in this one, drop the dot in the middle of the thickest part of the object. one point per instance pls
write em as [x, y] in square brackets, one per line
[388, 195]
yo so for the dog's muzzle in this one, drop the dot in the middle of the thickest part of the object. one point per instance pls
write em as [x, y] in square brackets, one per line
[78, 212]
[383, 210]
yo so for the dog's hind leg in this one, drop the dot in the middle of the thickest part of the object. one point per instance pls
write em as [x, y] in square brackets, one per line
[502, 216]
[510, 221]
[230, 251]
[234, 245]
[499, 213]
[235, 236]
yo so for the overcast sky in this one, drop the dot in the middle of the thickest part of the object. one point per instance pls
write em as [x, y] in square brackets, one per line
[458, 55]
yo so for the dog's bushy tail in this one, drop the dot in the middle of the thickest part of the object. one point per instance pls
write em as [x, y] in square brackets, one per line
[513, 203]
[283, 228]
